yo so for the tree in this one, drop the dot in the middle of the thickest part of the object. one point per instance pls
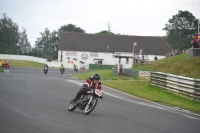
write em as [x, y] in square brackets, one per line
[70, 28]
[55, 41]
[23, 44]
[180, 28]
[106, 31]
[47, 45]
[9, 36]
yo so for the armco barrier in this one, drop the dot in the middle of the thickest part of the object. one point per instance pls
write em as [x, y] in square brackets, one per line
[194, 52]
[97, 66]
[131, 72]
[114, 71]
[189, 87]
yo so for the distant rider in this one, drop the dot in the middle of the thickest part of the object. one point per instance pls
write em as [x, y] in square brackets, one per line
[62, 69]
[46, 67]
[75, 68]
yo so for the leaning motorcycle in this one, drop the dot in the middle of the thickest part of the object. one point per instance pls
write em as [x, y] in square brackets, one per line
[87, 101]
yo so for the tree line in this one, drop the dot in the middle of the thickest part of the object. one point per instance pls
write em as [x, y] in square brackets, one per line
[180, 29]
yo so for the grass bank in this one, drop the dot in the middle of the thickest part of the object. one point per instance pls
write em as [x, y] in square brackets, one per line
[23, 63]
[141, 88]
[180, 65]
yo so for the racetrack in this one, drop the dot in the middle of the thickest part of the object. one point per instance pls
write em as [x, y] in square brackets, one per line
[31, 102]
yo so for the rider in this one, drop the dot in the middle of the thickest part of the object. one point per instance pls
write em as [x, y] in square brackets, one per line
[75, 68]
[46, 67]
[92, 82]
[62, 68]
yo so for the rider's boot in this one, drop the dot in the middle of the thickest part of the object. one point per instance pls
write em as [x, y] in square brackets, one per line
[78, 95]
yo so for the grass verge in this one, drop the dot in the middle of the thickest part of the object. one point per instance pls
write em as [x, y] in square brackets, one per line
[180, 65]
[23, 63]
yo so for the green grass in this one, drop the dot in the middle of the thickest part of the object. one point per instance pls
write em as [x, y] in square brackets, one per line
[23, 63]
[142, 89]
[180, 65]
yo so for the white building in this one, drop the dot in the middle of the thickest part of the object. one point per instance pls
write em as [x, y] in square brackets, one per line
[84, 49]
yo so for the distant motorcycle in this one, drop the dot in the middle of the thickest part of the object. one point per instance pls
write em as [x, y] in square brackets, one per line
[62, 70]
[76, 69]
[45, 70]
[5, 65]
[87, 102]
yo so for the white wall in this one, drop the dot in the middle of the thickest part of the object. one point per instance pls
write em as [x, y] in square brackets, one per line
[108, 59]
[29, 58]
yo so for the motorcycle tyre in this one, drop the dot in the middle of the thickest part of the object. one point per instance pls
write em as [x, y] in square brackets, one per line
[87, 106]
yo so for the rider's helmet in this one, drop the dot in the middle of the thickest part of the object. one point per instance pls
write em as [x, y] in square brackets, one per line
[96, 76]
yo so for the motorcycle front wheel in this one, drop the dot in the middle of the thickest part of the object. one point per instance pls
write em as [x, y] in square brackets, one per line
[90, 107]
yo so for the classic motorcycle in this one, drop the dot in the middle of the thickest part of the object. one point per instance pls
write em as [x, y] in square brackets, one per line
[5, 65]
[76, 69]
[87, 102]
[62, 70]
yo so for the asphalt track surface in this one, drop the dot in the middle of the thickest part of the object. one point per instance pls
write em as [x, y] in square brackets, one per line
[31, 102]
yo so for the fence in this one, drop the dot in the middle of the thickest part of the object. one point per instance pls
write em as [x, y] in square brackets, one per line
[131, 72]
[178, 84]
[127, 72]
[99, 66]
[194, 52]
[114, 71]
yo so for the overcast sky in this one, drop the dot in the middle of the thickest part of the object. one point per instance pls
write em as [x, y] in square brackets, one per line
[131, 17]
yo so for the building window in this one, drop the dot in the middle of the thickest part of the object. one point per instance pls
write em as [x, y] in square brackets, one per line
[70, 53]
[93, 54]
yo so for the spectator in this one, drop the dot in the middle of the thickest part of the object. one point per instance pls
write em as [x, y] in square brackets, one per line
[155, 58]
[136, 56]
[140, 57]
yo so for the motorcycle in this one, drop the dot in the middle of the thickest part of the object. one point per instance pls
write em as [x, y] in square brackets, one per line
[62, 70]
[76, 69]
[87, 101]
[45, 70]
[5, 65]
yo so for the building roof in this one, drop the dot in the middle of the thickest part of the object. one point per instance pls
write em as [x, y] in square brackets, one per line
[113, 43]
